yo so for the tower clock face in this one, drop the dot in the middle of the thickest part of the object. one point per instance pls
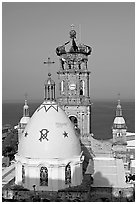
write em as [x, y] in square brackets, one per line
[72, 86]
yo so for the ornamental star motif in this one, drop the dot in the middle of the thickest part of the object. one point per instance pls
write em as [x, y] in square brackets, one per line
[44, 133]
[65, 134]
[26, 134]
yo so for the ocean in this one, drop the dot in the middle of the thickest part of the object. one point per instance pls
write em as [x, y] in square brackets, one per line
[103, 114]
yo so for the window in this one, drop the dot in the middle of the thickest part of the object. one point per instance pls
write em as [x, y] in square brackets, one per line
[82, 87]
[62, 86]
[23, 174]
[68, 174]
[43, 176]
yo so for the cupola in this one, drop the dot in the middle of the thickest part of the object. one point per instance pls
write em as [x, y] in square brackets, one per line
[26, 109]
[119, 121]
[49, 89]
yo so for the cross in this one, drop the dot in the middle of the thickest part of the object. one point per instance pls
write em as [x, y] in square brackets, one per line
[49, 62]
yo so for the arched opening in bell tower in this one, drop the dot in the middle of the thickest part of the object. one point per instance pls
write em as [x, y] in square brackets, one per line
[74, 120]
[81, 88]
[81, 92]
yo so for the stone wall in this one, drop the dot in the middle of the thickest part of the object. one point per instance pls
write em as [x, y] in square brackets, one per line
[93, 194]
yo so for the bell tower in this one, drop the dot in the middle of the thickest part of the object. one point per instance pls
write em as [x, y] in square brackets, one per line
[73, 78]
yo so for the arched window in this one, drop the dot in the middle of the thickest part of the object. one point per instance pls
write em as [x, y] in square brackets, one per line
[48, 93]
[23, 174]
[81, 88]
[68, 174]
[62, 86]
[43, 176]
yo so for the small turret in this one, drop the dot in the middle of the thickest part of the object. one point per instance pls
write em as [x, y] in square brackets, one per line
[24, 120]
[119, 121]
[119, 129]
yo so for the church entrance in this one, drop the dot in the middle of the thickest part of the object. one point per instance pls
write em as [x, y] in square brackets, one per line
[74, 120]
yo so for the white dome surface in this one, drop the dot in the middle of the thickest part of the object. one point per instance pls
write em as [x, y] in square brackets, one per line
[49, 134]
[119, 120]
[24, 120]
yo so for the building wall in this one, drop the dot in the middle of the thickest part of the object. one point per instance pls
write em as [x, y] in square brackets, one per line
[56, 173]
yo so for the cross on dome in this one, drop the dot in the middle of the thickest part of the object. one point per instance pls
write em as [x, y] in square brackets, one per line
[49, 62]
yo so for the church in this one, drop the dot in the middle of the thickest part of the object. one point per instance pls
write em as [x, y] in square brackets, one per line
[49, 151]
[56, 148]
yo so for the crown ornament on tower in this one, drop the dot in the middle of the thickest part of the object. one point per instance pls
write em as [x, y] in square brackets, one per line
[72, 47]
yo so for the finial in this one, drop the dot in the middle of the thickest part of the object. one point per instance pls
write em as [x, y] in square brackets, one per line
[119, 109]
[49, 74]
[26, 107]
[72, 32]
[26, 96]
[118, 98]
[72, 27]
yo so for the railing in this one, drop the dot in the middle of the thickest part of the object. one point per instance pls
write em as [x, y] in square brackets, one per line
[74, 101]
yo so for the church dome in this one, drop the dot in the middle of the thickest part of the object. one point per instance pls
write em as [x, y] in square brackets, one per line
[49, 134]
[119, 120]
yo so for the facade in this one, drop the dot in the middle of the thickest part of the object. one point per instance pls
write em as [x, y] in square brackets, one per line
[49, 153]
[74, 80]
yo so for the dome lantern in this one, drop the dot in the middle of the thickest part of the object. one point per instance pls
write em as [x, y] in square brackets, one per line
[49, 84]
[119, 109]
[49, 89]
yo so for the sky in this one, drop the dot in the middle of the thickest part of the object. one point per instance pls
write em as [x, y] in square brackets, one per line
[31, 32]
